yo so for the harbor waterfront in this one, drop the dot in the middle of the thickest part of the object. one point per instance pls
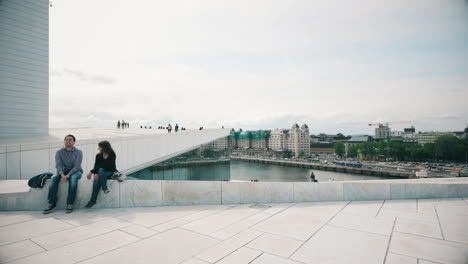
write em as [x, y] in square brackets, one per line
[244, 169]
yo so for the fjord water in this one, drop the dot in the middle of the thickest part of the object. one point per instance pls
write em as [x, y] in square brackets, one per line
[245, 171]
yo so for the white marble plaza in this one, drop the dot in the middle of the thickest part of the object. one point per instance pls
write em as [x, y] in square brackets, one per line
[383, 231]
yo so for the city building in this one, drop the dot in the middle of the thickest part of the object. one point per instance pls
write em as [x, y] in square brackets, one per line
[243, 140]
[355, 140]
[430, 137]
[382, 132]
[410, 130]
[408, 135]
[296, 140]
[277, 139]
[321, 148]
[259, 139]
[459, 134]
[396, 134]
[220, 144]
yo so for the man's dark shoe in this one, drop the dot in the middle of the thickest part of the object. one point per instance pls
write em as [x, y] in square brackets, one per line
[106, 190]
[49, 208]
[69, 208]
[90, 204]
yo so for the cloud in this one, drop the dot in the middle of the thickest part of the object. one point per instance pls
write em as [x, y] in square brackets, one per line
[268, 64]
[82, 76]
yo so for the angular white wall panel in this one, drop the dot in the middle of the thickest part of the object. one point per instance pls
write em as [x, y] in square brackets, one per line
[24, 68]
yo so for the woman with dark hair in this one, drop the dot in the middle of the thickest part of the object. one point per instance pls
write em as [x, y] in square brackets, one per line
[104, 167]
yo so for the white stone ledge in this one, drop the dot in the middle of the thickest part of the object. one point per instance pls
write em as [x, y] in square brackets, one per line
[140, 193]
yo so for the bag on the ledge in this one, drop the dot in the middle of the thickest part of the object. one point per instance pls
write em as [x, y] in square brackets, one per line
[38, 181]
[119, 176]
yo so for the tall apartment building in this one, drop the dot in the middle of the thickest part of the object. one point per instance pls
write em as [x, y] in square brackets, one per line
[277, 139]
[250, 139]
[259, 139]
[297, 139]
[382, 132]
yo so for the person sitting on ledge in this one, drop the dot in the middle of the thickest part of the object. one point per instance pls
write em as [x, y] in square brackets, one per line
[104, 167]
[68, 163]
[312, 177]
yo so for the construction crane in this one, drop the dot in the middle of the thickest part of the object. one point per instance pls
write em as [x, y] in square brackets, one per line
[379, 124]
[387, 123]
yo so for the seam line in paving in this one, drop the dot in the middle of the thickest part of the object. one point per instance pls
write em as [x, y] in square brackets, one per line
[65, 221]
[464, 199]
[107, 251]
[179, 226]
[203, 208]
[397, 253]
[389, 241]
[189, 221]
[422, 236]
[130, 233]
[429, 261]
[24, 221]
[380, 208]
[27, 255]
[162, 223]
[38, 245]
[68, 228]
[217, 230]
[150, 227]
[318, 230]
[249, 227]
[291, 205]
[67, 245]
[165, 222]
[90, 223]
[277, 235]
[438, 221]
[213, 213]
[94, 236]
[255, 258]
[14, 242]
[417, 205]
[79, 227]
[182, 218]
[208, 236]
[272, 254]
[348, 228]
[197, 259]
[243, 245]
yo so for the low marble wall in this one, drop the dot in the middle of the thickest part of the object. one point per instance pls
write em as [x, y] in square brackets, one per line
[139, 193]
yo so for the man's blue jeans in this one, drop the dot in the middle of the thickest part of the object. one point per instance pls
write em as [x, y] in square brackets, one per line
[72, 187]
[101, 182]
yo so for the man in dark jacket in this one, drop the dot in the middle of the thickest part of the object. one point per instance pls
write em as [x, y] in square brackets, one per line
[68, 163]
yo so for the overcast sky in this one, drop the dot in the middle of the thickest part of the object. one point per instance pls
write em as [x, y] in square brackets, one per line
[335, 65]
